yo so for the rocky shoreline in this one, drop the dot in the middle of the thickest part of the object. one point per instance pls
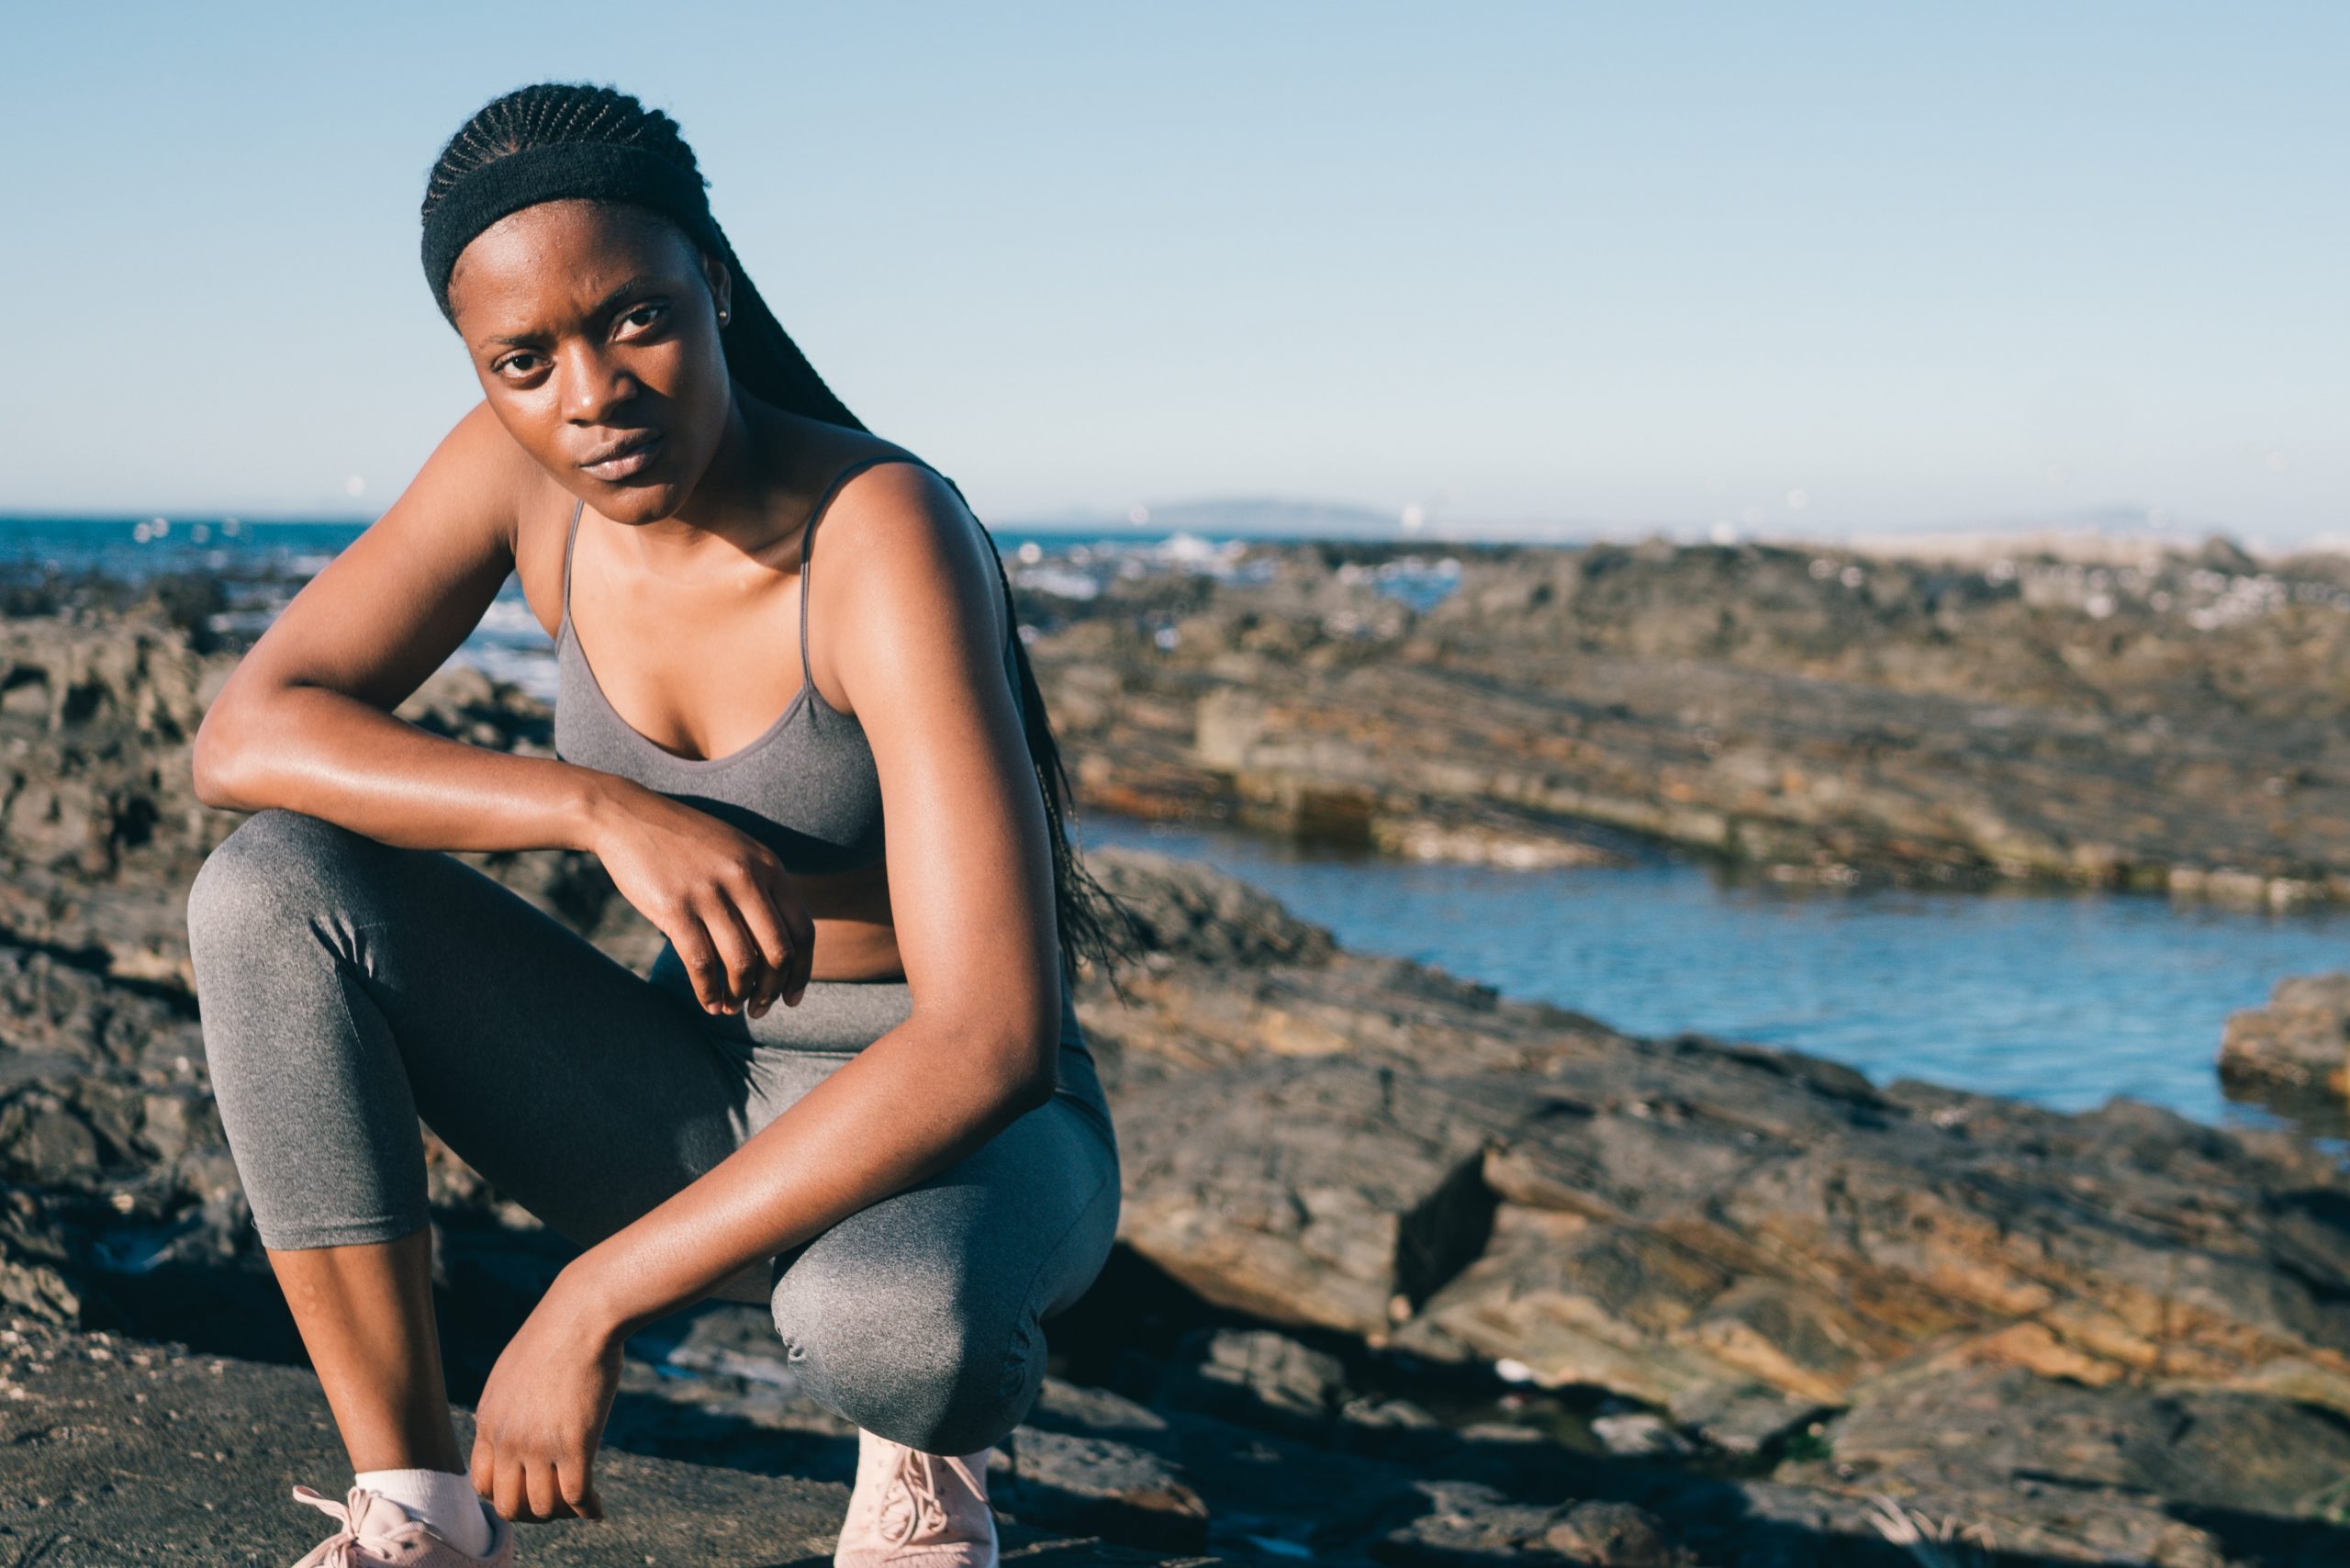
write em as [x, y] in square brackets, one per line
[1408, 1272]
[2168, 721]
[2296, 1047]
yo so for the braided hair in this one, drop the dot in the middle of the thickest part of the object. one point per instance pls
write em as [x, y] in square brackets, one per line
[1090, 921]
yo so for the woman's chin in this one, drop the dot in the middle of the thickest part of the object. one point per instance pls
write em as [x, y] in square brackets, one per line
[649, 502]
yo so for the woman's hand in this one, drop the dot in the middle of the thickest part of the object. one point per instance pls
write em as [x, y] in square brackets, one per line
[541, 1413]
[721, 897]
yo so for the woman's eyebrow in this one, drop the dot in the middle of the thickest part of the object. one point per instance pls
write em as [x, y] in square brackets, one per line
[611, 301]
[603, 307]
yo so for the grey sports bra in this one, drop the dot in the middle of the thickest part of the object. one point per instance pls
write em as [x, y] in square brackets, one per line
[807, 787]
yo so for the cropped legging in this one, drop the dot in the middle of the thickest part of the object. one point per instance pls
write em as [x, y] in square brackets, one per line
[347, 987]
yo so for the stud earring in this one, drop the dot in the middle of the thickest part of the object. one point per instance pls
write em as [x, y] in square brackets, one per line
[724, 318]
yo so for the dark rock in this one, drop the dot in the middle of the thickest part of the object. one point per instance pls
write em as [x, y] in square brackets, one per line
[1615, 1535]
[2220, 1449]
[1465, 1523]
[1257, 1377]
[1347, 1145]
[1641, 1434]
[1188, 911]
[1083, 1485]
[1320, 1191]
[1745, 1419]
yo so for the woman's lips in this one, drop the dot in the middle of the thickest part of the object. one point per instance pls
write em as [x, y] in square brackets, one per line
[633, 461]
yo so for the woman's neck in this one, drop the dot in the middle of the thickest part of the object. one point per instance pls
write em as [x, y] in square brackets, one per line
[749, 497]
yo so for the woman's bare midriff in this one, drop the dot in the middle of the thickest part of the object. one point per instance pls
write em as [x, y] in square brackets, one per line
[855, 939]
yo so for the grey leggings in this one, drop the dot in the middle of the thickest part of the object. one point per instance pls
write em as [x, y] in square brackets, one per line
[347, 987]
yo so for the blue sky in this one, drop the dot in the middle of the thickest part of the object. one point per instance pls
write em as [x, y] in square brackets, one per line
[1784, 266]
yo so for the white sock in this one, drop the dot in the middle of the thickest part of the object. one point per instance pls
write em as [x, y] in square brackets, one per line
[442, 1498]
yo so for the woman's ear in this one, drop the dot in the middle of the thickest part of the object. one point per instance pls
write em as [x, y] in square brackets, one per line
[722, 287]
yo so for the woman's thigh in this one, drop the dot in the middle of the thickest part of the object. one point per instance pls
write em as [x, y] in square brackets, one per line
[348, 986]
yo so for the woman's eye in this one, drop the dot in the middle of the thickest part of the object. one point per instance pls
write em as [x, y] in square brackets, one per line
[645, 316]
[516, 365]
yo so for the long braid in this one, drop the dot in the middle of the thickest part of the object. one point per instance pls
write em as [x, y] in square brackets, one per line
[1091, 922]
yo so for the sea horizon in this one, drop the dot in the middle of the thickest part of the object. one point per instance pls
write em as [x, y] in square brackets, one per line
[2083, 535]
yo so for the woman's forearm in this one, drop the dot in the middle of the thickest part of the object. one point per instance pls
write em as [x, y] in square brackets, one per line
[313, 749]
[913, 1103]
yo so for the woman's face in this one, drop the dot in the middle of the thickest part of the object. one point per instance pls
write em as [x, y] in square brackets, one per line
[594, 330]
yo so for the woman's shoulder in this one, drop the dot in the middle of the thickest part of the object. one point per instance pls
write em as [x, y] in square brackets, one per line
[890, 500]
[479, 442]
[479, 462]
[480, 481]
[898, 542]
[862, 481]
[821, 453]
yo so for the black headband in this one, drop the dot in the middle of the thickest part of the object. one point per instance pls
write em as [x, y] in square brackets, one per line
[600, 171]
[758, 350]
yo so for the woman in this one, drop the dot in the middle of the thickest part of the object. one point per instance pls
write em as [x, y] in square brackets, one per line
[911, 1160]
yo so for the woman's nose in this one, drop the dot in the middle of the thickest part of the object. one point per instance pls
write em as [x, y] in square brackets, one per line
[592, 386]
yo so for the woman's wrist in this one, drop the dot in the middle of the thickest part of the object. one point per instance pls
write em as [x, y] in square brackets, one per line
[594, 807]
[588, 1297]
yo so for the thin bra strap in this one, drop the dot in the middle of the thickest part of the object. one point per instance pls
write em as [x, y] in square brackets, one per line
[808, 540]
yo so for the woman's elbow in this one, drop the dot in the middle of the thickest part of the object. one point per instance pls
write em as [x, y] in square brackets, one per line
[220, 758]
[1033, 1077]
[1010, 1045]
[1028, 1071]
[209, 766]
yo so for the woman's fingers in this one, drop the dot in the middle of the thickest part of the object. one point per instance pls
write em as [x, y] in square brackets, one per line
[508, 1495]
[578, 1487]
[737, 953]
[744, 939]
[532, 1452]
[483, 1472]
[544, 1491]
[699, 957]
[753, 902]
[532, 1490]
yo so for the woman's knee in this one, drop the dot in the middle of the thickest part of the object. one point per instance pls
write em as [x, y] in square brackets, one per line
[275, 864]
[923, 1364]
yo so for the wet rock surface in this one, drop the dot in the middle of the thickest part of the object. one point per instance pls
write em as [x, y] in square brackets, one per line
[1407, 1272]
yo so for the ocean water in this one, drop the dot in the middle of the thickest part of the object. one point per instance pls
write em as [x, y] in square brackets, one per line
[2064, 999]
[140, 547]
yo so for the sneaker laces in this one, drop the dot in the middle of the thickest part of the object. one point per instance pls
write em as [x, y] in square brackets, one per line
[342, 1548]
[924, 1506]
[925, 1497]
